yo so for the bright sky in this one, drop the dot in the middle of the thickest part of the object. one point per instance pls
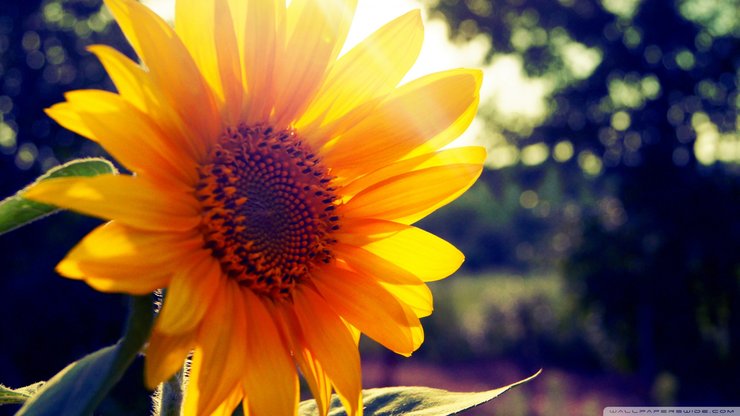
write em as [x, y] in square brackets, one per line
[517, 97]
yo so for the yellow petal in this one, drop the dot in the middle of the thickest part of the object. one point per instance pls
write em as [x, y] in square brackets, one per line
[452, 132]
[127, 134]
[165, 355]
[170, 66]
[369, 70]
[361, 231]
[417, 331]
[354, 332]
[411, 196]
[190, 293]
[207, 30]
[262, 44]
[314, 374]
[267, 359]
[318, 381]
[403, 284]
[407, 120]
[421, 253]
[458, 155]
[332, 345]
[195, 26]
[367, 306]
[316, 31]
[229, 63]
[138, 87]
[118, 258]
[141, 286]
[130, 200]
[416, 297]
[218, 358]
[239, 13]
[226, 408]
[130, 79]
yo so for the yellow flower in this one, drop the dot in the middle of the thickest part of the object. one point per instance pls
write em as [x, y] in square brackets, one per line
[275, 184]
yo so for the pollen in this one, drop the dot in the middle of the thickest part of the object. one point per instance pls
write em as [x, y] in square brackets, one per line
[268, 208]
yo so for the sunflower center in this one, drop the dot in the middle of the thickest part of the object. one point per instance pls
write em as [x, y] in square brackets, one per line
[267, 208]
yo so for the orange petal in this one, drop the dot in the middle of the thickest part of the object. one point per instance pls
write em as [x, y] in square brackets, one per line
[130, 200]
[403, 284]
[140, 286]
[360, 231]
[332, 345]
[316, 31]
[411, 196]
[416, 297]
[118, 258]
[170, 66]
[407, 120]
[218, 358]
[138, 87]
[314, 374]
[165, 355]
[130, 79]
[451, 133]
[190, 293]
[127, 134]
[367, 306]
[195, 26]
[207, 30]
[460, 155]
[354, 332]
[229, 63]
[417, 331]
[227, 407]
[317, 380]
[369, 70]
[421, 253]
[261, 45]
[267, 359]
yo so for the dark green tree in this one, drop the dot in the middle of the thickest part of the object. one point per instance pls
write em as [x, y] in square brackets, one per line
[657, 119]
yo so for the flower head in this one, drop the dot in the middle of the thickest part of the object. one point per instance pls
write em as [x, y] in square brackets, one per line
[275, 184]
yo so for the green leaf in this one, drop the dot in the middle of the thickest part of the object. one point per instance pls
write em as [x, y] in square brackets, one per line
[16, 211]
[20, 395]
[82, 385]
[413, 401]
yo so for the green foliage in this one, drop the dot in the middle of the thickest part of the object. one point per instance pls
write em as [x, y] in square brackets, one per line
[413, 401]
[18, 396]
[654, 259]
[82, 385]
[530, 318]
[16, 211]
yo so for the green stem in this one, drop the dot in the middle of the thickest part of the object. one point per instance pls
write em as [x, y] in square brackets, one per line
[171, 395]
[82, 385]
[138, 327]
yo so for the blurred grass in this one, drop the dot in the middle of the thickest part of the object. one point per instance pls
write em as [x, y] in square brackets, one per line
[493, 328]
[530, 319]
[493, 311]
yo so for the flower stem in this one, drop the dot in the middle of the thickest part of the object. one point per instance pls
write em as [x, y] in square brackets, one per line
[171, 398]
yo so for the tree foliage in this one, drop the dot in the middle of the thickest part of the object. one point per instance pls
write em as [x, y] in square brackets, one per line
[654, 124]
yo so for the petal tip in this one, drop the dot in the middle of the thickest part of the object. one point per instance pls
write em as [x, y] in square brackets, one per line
[414, 15]
[69, 269]
[151, 379]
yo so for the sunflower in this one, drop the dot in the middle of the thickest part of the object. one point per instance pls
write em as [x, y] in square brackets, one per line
[273, 190]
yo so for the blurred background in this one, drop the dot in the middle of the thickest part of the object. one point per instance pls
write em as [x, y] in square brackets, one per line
[602, 242]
